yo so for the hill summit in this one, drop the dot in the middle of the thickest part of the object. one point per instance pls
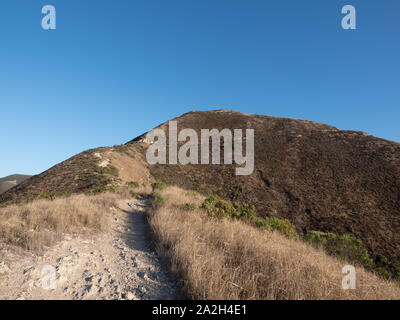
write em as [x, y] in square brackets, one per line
[315, 175]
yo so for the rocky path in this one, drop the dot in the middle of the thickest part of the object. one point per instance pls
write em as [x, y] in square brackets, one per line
[117, 265]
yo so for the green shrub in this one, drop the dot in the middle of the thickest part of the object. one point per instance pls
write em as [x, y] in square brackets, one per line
[44, 194]
[284, 226]
[316, 238]
[94, 178]
[157, 200]
[224, 208]
[132, 184]
[191, 207]
[102, 189]
[158, 185]
[396, 271]
[133, 193]
[111, 170]
[214, 205]
[221, 208]
[246, 211]
[383, 273]
[382, 260]
[345, 247]
[386, 269]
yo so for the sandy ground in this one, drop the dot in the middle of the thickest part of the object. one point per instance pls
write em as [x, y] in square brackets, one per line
[117, 265]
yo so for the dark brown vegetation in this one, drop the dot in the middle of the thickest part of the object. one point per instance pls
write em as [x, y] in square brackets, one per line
[340, 183]
[79, 174]
[316, 176]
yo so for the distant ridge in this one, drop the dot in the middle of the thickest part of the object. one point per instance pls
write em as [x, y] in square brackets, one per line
[11, 181]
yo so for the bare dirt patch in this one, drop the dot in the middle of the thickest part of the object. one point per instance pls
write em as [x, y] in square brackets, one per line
[119, 264]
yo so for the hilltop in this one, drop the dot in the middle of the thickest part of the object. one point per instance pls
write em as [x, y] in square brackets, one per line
[314, 175]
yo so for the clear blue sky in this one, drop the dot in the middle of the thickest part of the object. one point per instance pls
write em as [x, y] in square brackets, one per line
[115, 69]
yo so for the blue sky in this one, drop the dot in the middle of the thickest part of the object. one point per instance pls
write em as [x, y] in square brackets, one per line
[115, 69]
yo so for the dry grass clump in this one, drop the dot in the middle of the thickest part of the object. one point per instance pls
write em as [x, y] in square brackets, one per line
[227, 259]
[42, 223]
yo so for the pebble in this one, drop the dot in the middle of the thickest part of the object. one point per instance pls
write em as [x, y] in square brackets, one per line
[29, 270]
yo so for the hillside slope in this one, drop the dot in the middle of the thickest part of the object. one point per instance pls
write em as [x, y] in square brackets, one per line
[11, 181]
[90, 171]
[315, 175]
[219, 257]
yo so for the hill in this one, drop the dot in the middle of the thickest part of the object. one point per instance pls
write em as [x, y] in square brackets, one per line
[11, 181]
[316, 176]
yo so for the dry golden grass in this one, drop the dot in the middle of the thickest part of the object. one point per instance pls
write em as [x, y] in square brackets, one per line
[42, 223]
[225, 259]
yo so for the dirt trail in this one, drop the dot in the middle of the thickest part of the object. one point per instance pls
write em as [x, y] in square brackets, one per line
[117, 265]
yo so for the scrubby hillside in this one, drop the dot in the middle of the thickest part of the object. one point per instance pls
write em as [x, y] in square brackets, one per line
[11, 181]
[92, 171]
[218, 257]
[318, 177]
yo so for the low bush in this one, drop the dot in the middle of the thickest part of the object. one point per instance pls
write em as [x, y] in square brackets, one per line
[133, 184]
[133, 193]
[111, 170]
[215, 206]
[157, 200]
[345, 247]
[158, 185]
[284, 226]
[221, 208]
[228, 259]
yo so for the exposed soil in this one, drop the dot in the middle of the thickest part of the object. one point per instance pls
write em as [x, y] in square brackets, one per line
[118, 265]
